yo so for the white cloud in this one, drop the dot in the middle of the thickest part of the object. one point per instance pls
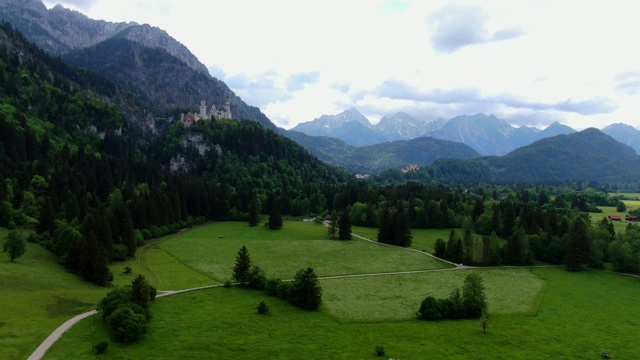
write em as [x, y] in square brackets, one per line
[540, 61]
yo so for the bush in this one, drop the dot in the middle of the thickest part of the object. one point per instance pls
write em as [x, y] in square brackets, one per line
[227, 284]
[127, 270]
[271, 286]
[101, 347]
[283, 290]
[257, 278]
[128, 322]
[262, 308]
[429, 309]
[380, 351]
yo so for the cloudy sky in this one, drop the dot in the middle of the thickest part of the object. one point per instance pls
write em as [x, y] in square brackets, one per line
[528, 62]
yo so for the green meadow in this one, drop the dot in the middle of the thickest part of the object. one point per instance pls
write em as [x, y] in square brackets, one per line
[576, 316]
[371, 293]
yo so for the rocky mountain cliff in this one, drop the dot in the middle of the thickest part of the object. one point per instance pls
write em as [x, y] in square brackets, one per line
[60, 30]
[160, 78]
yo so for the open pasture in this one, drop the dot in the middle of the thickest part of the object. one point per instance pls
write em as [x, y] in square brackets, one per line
[579, 316]
[211, 251]
[619, 226]
[398, 297]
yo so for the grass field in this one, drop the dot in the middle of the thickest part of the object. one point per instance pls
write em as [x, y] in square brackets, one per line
[397, 297]
[580, 315]
[542, 313]
[279, 253]
[36, 296]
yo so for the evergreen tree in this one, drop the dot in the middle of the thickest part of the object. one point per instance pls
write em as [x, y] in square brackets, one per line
[141, 292]
[305, 290]
[579, 247]
[440, 249]
[254, 210]
[401, 230]
[242, 268]
[384, 227]
[47, 217]
[332, 229]
[14, 245]
[344, 231]
[275, 218]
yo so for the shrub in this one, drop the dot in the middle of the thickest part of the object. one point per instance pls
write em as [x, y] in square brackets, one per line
[128, 322]
[283, 290]
[101, 347]
[127, 270]
[257, 278]
[429, 309]
[380, 351]
[271, 286]
[227, 284]
[262, 308]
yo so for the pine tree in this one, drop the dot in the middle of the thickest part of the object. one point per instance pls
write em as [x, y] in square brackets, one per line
[47, 217]
[254, 210]
[141, 292]
[333, 225]
[401, 231]
[242, 268]
[344, 231]
[579, 247]
[305, 290]
[275, 218]
[384, 228]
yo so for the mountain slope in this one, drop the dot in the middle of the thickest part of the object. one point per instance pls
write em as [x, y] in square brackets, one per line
[379, 157]
[488, 135]
[584, 156]
[405, 126]
[60, 30]
[625, 134]
[349, 126]
[160, 78]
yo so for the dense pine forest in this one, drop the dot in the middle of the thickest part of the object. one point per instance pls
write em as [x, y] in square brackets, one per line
[79, 168]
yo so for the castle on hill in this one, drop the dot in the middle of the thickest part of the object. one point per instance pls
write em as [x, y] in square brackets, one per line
[216, 112]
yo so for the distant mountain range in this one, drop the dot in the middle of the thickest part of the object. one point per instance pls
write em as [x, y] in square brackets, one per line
[486, 134]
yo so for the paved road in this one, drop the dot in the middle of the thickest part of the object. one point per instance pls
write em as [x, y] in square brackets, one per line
[48, 342]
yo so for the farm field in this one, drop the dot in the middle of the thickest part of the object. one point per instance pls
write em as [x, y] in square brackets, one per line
[579, 316]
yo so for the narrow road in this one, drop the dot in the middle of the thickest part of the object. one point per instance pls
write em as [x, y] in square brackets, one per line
[56, 334]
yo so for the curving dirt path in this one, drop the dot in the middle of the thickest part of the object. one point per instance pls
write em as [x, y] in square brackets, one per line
[56, 334]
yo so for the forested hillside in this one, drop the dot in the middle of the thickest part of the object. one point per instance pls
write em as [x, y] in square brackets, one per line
[380, 157]
[78, 170]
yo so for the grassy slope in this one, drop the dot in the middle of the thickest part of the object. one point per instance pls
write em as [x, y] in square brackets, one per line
[37, 295]
[580, 315]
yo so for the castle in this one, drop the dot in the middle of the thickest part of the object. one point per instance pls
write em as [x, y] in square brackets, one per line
[216, 112]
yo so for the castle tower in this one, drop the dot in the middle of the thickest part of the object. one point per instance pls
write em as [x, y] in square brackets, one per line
[203, 110]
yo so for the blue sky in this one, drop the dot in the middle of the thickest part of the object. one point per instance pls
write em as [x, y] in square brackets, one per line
[528, 62]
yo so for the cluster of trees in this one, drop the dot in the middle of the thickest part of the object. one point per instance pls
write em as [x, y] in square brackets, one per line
[125, 310]
[340, 225]
[471, 303]
[394, 228]
[303, 291]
